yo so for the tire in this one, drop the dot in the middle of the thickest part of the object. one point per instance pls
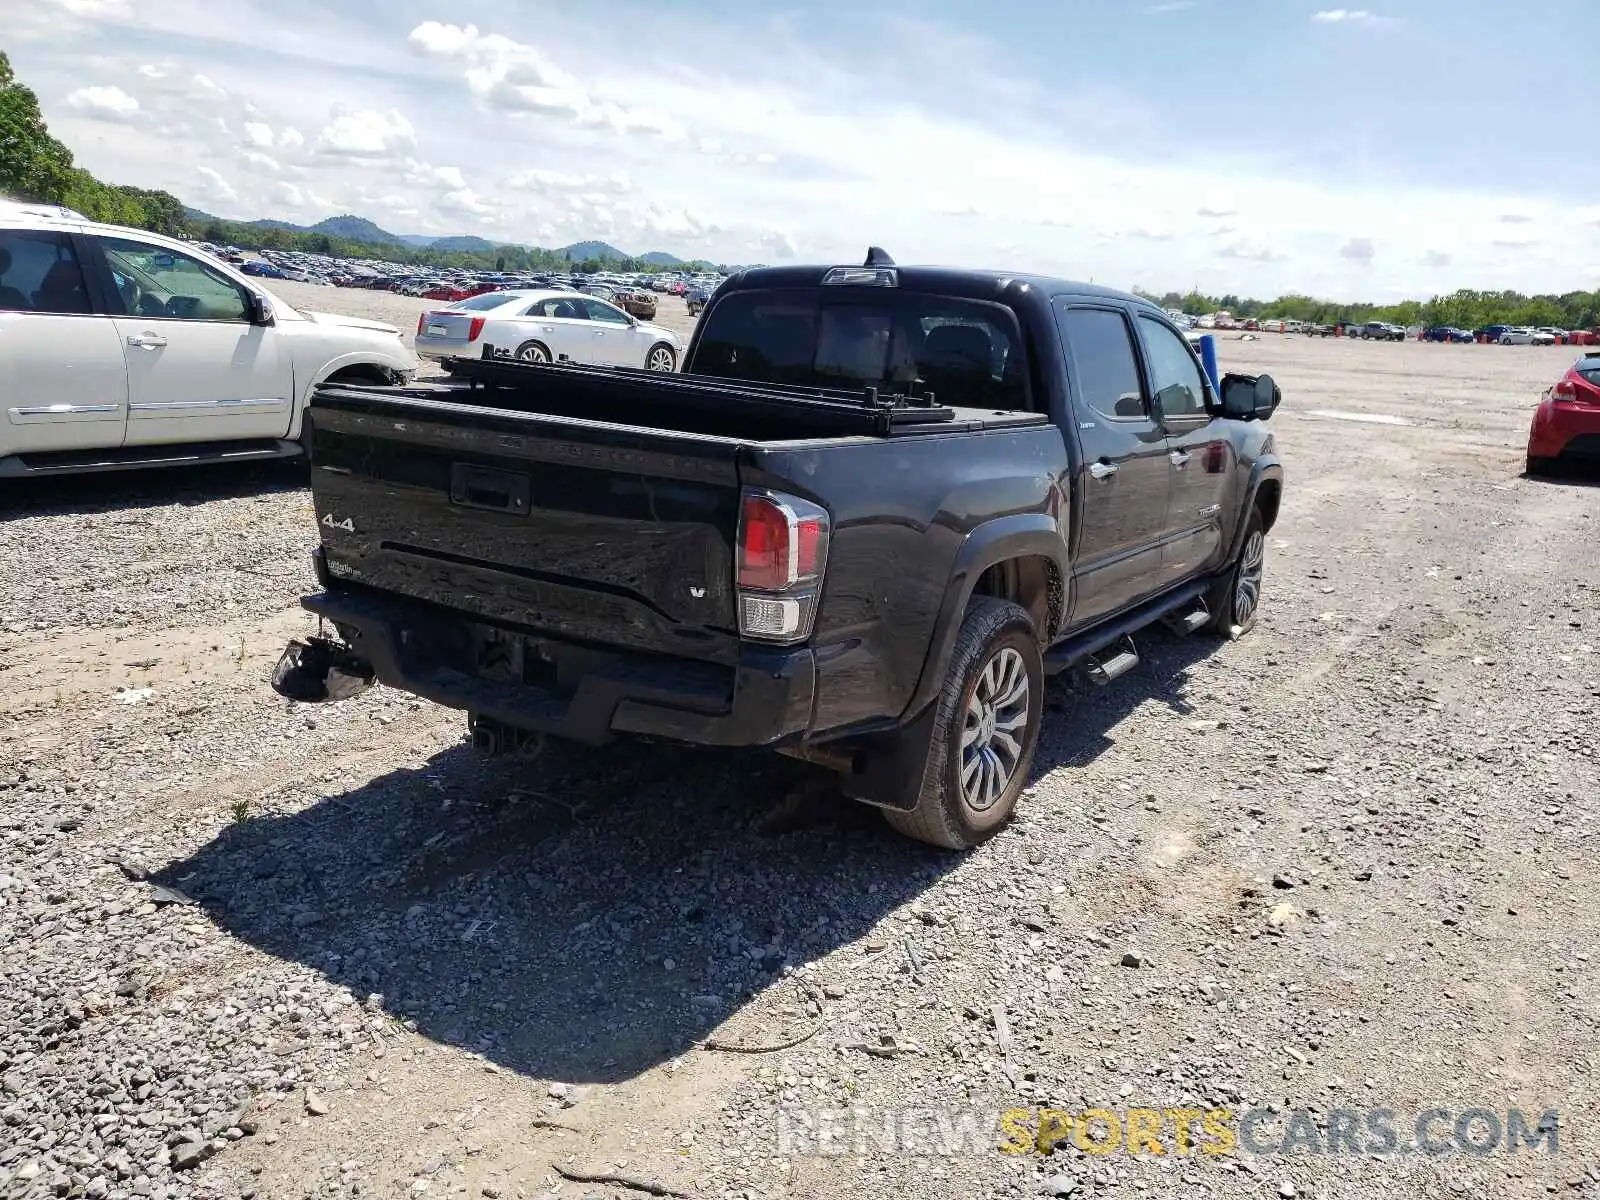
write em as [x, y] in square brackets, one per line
[996, 656]
[661, 357]
[1235, 599]
[533, 352]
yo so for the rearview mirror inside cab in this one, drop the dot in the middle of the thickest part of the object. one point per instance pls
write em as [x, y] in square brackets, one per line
[1249, 397]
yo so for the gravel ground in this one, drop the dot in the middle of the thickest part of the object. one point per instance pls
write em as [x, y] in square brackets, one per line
[249, 948]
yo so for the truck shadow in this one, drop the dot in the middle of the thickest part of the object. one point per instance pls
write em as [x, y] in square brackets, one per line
[111, 491]
[592, 914]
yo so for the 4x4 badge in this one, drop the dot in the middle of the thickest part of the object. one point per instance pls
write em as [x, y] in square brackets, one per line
[347, 524]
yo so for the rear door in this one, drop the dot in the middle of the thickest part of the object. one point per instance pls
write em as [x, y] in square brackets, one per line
[63, 380]
[1125, 476]
[561, 323]
[198, 370]
[1199, 453]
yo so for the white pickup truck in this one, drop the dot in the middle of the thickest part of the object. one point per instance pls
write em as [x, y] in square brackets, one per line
[121, 348]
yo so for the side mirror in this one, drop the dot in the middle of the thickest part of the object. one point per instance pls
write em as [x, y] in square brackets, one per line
[261, 310]
[1249, 397]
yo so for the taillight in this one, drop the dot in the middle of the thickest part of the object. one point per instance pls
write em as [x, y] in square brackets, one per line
[783, 551]
[422, 319]
[474, 328]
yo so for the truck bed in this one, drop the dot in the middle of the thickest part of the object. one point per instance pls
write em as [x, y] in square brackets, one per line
[595, 503]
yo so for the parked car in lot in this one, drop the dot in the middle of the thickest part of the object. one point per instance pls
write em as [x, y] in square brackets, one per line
[636, 303]
[544, 327]
[1446, 333]
[121, 348]
[1311, 329]
[696, 299]
[1566, 425]
[1381, 331]
[1545, 336]
[880, 508]
[1509, 335]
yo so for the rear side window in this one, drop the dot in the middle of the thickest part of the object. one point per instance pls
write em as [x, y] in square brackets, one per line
[40, 273]
[1103, 365]
[484, 302]
[1589, 368]
[965, 353]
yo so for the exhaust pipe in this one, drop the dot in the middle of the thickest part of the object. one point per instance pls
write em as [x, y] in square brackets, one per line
[319, 669]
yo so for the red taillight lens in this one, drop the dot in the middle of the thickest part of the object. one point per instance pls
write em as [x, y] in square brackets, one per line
[1565, 390]
[783, 551]
[764, 544]
[422, 319]
[474, 328]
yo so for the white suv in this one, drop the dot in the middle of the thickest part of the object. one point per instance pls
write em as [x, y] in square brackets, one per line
[121, 348]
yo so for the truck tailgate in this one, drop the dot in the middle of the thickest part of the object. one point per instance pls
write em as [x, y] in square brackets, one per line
[614, 535]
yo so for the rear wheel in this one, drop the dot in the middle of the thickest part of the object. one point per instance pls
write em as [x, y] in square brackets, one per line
[660, 358]
[985, 730]
[1235, 598]
[533, 352]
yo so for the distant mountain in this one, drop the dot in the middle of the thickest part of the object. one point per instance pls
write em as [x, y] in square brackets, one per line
[467, 245]
[579, 251]
[358, 229]
[355, 229]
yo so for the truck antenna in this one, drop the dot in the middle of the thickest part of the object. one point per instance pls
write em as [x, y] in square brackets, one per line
[877, 256]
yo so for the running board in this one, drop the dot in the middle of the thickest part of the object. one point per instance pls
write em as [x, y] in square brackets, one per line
[1102, 671]
[132, 458]
[1186, 623]
[1072, 652]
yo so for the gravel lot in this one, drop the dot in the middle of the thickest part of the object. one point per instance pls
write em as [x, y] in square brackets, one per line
[249, 948]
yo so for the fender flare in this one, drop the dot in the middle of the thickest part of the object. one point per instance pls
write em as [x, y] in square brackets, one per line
[1265, 469]
[1021, 535]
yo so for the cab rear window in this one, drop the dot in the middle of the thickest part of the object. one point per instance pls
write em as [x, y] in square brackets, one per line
[966, 353]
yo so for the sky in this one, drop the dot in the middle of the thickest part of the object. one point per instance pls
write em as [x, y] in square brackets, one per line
[1249, 146]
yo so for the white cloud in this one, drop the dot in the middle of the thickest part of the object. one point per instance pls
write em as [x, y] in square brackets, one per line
[777, 243]
[214, 185]
[1360, 250]
[257, 133]
[263, 162]
[516, 78]
[366, 134]
[110, 103]
[1248, 251]
[205, 88]
[291, 138]
[1348, 16]
[1436, 259]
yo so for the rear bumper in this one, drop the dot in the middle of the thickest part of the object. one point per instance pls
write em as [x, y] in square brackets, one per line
[573, 691]
[435, 348]
[1565, 430]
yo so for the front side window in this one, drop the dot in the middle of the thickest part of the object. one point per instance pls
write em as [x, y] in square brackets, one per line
[40, 273]
[965, 353]
[600, 311]
[1174, 373]
[153, 281]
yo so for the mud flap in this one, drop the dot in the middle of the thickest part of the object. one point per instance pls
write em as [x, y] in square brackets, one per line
[318, 670]
[893, 765]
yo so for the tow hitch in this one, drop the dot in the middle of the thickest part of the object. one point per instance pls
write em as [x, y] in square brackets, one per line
[320, 669]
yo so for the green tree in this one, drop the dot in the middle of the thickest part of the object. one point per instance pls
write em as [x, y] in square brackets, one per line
[33, 165]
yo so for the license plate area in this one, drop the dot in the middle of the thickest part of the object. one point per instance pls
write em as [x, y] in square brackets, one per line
[438, 331]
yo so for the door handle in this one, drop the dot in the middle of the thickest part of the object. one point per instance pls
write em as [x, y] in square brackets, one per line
[146, 341]
[1179, 458]
[1102, 470]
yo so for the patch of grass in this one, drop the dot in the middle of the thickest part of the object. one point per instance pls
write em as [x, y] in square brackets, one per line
[241, 811]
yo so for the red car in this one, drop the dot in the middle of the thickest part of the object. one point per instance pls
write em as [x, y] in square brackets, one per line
[1566, 425]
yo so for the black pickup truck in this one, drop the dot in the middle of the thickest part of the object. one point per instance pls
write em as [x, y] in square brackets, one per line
[877, 509]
